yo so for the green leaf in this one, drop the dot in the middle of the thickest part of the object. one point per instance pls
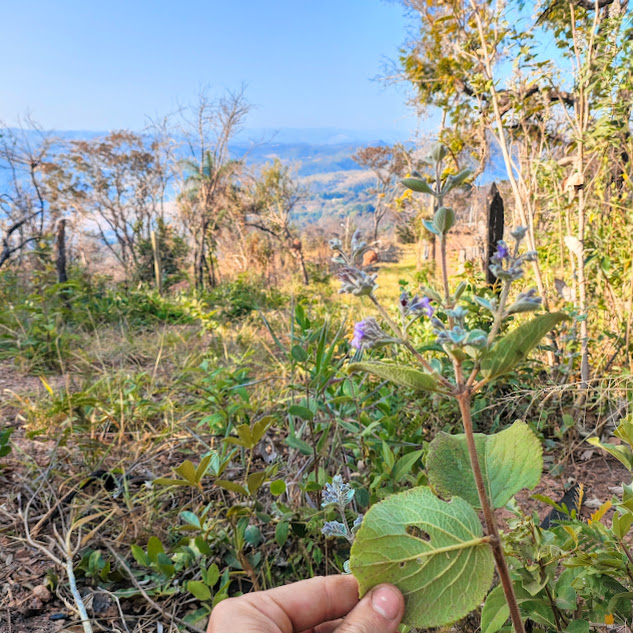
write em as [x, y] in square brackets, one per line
[190, 518]
[432, 550]
[277, 487]
[212, 575]
[622, 524]
[401, 375]
[199, 590]
[232, 486]
[202, 467]
[405, 464]
[577, 626]
[187, 471]
[621, 453]
[417, 184]
[281, 533]
[255, 481]
[301, 412]
[495, 611]
[140, 556]
[299, 354]
[301, 445]
[509, 351]
[444, 220]
[166, 481]
[510, 461]
[154, 548]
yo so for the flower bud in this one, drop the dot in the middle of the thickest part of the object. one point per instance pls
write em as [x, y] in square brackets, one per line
[368, 334]
[338, 493]
[356, 281]
[519, 233]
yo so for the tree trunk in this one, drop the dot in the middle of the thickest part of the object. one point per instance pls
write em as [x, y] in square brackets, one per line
[60, 261]
[495, 223]
[157, 272]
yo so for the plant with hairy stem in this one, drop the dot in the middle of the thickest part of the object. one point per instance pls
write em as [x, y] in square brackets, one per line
[433, 550]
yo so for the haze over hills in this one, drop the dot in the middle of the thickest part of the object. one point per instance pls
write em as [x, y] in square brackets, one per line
[321, 159]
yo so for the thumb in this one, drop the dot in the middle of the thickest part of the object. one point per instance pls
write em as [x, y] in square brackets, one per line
[380, 611]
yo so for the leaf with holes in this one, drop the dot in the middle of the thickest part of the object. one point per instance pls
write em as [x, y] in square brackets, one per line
[510, 461]
[432, 550]
[510, 350]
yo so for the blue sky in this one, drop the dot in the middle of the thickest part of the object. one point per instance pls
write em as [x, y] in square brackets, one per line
[78, 64]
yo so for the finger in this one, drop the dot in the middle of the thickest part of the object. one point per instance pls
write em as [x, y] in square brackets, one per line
[301, 605]
[380, 611]
[326, 627]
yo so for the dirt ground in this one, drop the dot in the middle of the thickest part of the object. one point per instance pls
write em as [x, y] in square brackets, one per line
[28, 606]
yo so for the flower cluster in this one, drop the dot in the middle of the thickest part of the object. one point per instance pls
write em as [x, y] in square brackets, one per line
[340, 494]
[459, 335]
[356, 281]
[526, 302]
[368, 334]
[509, 266]
[414, 306]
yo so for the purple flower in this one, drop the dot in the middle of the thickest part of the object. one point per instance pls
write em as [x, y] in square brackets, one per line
[414, 306]
[502, 250]
[356, 282]
[368, 333]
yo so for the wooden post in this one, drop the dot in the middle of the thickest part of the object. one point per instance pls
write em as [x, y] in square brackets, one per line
[60, 260]
[495, 225]
[157, 273]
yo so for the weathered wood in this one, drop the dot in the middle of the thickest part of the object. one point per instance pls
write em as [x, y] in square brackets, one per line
[60, 259]
[495, 224]
[157, 272]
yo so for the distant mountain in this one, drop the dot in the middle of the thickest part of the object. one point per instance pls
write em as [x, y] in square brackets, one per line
[321, 158]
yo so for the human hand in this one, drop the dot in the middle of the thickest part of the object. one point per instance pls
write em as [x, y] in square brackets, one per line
[327, 604]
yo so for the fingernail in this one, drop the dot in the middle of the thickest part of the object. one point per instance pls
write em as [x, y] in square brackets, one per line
[386, 602]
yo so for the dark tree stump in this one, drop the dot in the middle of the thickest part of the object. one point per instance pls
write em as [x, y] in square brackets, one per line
[495, 223]
[60, 261]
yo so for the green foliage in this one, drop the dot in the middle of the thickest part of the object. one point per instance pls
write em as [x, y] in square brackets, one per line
[401, 375]
[510, 350]
[510, 461]
[5, 442]
[433, 551]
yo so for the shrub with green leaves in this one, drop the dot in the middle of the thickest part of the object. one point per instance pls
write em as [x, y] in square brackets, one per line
[435, 550]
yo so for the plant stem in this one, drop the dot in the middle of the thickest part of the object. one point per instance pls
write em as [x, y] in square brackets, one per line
[81, 607]
[502, 567]
[403, 338]
[500, 310]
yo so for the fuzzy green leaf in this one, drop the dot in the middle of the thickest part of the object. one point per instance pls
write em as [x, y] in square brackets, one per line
[433, 551]
[510, 461]
[417, 184]
[401, 375]
[509, 351]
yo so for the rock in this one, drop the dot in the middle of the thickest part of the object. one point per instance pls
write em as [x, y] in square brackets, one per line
[42, 593]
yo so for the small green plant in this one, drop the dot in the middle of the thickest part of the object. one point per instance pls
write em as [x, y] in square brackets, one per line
[5, 442]
[435, 550]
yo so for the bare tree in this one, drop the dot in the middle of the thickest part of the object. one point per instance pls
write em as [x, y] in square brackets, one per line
[275, 196]
[117, 183]
[209, 173]
[387, 164]
[24, 155]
